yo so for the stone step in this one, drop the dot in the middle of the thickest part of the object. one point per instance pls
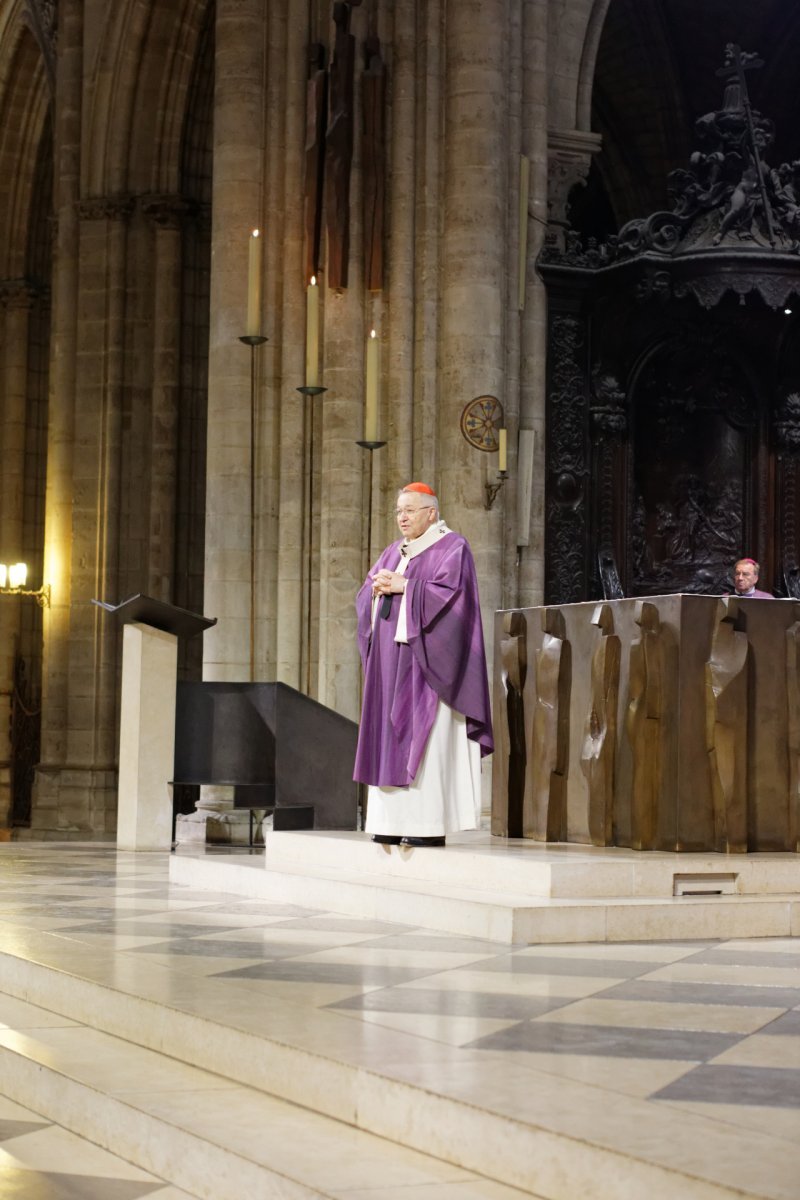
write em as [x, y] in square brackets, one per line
[454, 892]
[206, 1134]
[234, 1111]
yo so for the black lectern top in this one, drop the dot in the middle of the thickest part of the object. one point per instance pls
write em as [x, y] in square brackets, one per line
[159, 614]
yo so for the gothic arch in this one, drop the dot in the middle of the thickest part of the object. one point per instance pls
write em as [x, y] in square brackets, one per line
[142, 76]
[24, 101]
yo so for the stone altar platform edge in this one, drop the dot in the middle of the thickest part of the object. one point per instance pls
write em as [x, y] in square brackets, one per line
[516, 890]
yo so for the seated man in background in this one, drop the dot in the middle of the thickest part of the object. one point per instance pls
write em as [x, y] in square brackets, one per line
[745, 578]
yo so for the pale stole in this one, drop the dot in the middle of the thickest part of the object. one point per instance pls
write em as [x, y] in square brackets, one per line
[445, 797]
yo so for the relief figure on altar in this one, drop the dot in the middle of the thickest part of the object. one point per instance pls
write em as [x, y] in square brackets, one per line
[514, 669]
[726, 700]
[600, 735]
[546, 793]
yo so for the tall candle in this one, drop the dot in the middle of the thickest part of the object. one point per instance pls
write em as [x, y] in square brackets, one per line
[254, 285]
[371, 401]
[312, 333]
[502, 464]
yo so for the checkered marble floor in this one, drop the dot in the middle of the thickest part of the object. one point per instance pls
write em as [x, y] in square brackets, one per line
[41, 1161]
[688, 1049]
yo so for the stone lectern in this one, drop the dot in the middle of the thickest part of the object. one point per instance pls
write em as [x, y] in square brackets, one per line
[660, 723]
[147, 716]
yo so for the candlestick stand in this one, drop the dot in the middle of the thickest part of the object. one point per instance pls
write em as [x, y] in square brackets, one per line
[253, 340]
[492, 489]
[372, 447]
[308, 392]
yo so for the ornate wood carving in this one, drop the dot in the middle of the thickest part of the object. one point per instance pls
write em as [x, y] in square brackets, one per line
[568, 466]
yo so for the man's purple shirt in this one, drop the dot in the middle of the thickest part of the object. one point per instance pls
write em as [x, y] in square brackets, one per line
[443, 660]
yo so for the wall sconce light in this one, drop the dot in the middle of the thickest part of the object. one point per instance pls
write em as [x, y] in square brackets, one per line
[14, 576]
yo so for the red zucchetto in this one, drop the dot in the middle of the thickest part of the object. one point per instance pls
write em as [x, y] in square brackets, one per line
[419, 487]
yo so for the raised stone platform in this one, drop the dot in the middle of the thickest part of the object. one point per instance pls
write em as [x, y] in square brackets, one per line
[516, 890]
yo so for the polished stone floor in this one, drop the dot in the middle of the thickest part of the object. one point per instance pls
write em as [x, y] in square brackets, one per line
[692, 1047]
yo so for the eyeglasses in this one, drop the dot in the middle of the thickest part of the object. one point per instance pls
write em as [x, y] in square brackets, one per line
[408, 512]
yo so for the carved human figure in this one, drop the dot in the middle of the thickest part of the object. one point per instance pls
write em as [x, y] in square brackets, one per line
[598, 752]
[726, 726]
[742, 205]
[545, 800]
[643, 725]
[514, 668]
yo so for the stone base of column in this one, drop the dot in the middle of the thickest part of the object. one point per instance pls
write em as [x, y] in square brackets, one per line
[221, 828]
[215, 820]
[74, 804]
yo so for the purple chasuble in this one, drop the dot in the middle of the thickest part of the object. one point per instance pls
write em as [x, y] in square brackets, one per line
[443, 660]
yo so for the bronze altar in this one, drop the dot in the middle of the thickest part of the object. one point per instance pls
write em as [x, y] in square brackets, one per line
[657, 723]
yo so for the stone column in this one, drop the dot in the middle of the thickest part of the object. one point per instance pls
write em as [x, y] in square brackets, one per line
[87, 790]
[473, 289]
[237, 209]
[167, 214]
[348, 318]
[60, 448]
[533, 327]
[18, 299]
[289, 558]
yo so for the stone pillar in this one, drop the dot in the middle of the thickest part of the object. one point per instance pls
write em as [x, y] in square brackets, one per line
[87, 791]
[236, 210]
[18, 299]
[394, 465]
[290, 558]
[60, 450]
[533, 327]
[474, 290]
[570, 157]
[348, 319]
[167, 214]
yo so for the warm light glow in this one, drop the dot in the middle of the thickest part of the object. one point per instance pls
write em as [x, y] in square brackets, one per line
[254, 286]
[17, 574]
[312, 333]
[371, 391]
[3, 575]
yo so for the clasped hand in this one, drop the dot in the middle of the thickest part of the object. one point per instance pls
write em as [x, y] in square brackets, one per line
[384, 582]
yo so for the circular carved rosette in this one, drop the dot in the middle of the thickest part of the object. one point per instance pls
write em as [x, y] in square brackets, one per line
[480, 422]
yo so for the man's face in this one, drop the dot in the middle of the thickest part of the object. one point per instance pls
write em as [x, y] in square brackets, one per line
[412, 518]
[744, 577]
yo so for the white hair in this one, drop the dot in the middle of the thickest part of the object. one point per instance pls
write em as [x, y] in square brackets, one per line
[425, 500]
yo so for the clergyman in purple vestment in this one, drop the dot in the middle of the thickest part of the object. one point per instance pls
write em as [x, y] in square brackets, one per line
[426, 719]
[745, 578]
